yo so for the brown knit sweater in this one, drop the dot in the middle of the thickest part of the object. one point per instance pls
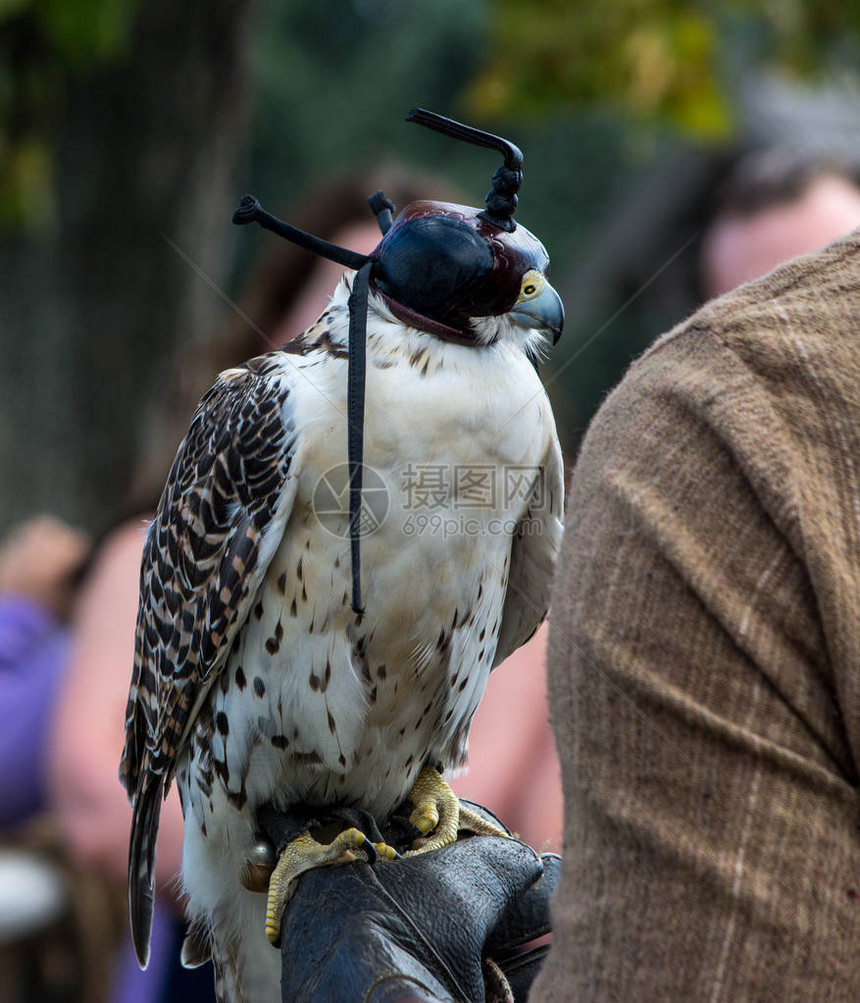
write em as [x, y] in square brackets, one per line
[705, 660]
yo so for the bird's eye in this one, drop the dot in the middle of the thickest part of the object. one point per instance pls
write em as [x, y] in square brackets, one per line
[532, 284]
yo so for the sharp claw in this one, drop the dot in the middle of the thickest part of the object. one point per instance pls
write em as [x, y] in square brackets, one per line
[386, 852]
[425, 823]
[370, 849]
[438, 811]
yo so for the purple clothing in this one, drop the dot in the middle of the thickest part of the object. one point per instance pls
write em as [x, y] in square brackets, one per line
[133, 985]
[33, 655]
[32, 660]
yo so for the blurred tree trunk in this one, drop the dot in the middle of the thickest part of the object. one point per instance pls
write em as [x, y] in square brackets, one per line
[93, 313]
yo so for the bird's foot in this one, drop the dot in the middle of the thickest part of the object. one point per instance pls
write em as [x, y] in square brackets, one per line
[437, 810]
[305, 853]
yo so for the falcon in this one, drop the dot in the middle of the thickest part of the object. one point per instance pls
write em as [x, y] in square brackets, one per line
[356, 530]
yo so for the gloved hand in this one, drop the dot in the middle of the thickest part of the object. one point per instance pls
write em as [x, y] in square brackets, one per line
[421, 928]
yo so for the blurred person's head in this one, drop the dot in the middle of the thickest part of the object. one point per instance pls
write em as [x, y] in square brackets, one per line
[774, 206]
[700, 222]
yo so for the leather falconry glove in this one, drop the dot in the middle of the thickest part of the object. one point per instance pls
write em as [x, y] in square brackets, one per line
[442, 926]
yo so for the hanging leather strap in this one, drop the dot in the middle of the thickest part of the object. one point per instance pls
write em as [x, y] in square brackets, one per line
[356, 369]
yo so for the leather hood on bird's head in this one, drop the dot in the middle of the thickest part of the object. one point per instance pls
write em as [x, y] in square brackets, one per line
[449, 263]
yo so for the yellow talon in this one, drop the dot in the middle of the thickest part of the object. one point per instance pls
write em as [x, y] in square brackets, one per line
[304, 854]
[425, 819]
[437, 814]
[384, 851]
[437, 809]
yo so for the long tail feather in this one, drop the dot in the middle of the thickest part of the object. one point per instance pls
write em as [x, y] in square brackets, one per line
[141, 863]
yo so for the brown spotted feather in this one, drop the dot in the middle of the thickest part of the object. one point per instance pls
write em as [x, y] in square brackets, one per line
[206, 552]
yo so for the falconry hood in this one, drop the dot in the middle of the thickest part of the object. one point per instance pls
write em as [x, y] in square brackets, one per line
[437, 266]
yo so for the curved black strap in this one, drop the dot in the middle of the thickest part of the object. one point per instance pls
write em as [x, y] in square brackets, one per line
[383, 209]
[501, 200]
[249, 210]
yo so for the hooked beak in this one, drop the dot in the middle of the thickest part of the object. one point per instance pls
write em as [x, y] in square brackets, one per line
[545, 312]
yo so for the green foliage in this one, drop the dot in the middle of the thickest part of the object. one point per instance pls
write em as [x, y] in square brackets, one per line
[26, 183]
[9, 7]
[652, 59]
[84, 32]
[42, 44]
[335, 79]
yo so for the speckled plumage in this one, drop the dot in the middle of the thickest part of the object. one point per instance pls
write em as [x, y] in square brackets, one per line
[253, 678]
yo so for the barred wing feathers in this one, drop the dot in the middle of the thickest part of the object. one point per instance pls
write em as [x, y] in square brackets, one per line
[218, 525]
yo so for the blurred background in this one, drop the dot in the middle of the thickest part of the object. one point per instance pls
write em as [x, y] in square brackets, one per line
[672, 149]
[128, 129]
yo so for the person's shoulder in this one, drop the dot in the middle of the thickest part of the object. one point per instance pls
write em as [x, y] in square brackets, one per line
[764, 374]
[803, 316]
